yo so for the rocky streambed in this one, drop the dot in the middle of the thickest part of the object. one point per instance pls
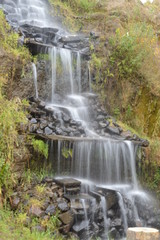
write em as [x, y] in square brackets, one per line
[76, 209]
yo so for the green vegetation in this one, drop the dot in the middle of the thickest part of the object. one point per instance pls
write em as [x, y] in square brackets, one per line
[66, 152]
[41, 147]
[9, 41]
[11, 115]
[15, 226]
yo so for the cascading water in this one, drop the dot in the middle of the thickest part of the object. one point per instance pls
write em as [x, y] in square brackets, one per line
[93, 156]
[35, 79]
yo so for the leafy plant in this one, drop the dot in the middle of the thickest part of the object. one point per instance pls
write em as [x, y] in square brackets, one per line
[66, 152]
[40, 147]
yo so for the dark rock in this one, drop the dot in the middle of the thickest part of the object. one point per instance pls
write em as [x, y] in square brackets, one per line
[110, 213]
[59, 131]
[144, 143]
[113, 233]
[74, 190]
[47, 131]
[112, 130]
[39, 131]
[49, 180]
[67, 182]
[116, 223]
[51, 210]
[51, 125]
[15, 201]
[42, 104]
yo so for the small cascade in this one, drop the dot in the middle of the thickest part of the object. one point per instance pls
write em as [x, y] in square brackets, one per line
[103, 205]
[35, 79]
[123, 211]
[79, 71]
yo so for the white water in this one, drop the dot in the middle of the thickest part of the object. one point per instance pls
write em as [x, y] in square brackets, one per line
[35, 79]
[103, 205]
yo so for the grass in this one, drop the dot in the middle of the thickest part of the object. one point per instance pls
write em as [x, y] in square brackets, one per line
[12, 227]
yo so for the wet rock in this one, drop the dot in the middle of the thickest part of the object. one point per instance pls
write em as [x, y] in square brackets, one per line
[67, 218]
[80, 226]
[74, 190]
[66, 118]
[116, 223]
[67, 182]
[51, 210]
[110, 213]
[47, 131]
[36, 211]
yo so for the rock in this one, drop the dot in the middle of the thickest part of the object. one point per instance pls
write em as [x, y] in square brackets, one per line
[100, 118]
[15, 201]
[39, 131]
[50, 194]
[140, 233]
[67, 218]
[42, 104]
[74, 190]
[49, 180]
[66, 118]
[144, 143]
[51, 125]
[116, 223]
[65, 229]
[36, 211]
[47, 131]
[79, 226]
[38, 228]
[33, 121]
[110, 213]
[63, 206]
[51, 210]
[112, 130]
[113, 233]
[67, 182]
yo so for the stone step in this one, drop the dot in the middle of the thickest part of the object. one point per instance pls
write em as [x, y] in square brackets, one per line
[67, 182]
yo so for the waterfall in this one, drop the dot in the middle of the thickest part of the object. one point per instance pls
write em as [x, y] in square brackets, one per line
[90, 152]
[103, 205]
[79, 71]
[35, 78]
